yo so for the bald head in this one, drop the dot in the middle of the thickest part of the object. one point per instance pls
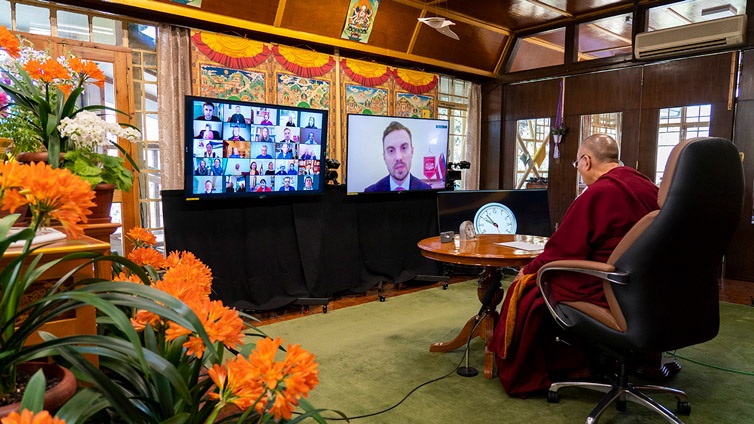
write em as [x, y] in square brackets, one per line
[602, 148]
[597, 154]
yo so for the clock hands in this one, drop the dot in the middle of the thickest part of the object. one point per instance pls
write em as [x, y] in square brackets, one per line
[488, 219]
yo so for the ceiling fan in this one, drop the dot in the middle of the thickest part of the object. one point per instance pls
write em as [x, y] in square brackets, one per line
[442, 25]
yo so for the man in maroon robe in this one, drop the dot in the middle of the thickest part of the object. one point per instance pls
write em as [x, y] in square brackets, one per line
[616, 197]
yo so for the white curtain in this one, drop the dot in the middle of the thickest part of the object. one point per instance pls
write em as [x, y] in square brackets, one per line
[473, 137]
[174, 68]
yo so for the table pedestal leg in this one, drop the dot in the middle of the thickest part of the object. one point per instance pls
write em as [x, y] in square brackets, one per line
[485, 328]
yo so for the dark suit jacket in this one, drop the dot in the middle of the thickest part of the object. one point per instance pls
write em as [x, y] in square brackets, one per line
[384, 185]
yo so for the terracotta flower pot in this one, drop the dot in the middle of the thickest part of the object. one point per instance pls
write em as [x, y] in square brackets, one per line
[103, 199]
[29, 157]
[103, 193]
[56, 396]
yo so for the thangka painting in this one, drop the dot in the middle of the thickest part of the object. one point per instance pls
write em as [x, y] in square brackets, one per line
[414, 106]
[366, 100]
[302, 92]
[360, 20]
[232, 84]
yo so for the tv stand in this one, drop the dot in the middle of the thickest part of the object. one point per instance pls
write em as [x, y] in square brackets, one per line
[306, 302]
[304, 249]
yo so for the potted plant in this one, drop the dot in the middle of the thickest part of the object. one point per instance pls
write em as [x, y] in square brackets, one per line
[55, 193]
[15, 126]
[162, 345]
[192, 381]
[44, 94]
[558, 131]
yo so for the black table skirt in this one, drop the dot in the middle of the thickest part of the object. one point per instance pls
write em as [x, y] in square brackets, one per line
[267, 253]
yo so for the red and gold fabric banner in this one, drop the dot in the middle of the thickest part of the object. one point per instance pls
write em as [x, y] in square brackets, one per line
[415, 82]
[367, 74]
[231, 51]
[304, 63]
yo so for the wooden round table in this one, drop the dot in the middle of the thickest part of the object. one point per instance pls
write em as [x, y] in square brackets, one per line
[482, 251]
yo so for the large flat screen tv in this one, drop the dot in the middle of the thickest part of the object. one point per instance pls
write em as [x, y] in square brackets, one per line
[240, 149]
[496, 211]
[392, 154]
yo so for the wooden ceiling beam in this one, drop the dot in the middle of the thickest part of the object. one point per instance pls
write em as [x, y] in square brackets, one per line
[457, 17]
[303, 37]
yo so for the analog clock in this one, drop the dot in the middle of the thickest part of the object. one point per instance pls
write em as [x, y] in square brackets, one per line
[495, 218]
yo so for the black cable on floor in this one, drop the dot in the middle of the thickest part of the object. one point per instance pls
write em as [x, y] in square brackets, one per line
[372, 414]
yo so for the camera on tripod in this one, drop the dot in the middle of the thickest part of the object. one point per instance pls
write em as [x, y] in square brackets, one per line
[454, 173]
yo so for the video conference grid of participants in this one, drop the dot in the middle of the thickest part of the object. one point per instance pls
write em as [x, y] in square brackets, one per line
[242, 148]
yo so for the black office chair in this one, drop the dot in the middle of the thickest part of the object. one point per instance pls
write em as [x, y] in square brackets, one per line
[661, 281]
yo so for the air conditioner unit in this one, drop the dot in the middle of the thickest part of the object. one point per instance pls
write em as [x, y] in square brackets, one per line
[691, 38]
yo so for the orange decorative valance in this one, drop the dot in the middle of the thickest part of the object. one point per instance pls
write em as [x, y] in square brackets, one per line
[415, 82]
[367, 74]
[231, 51]
[304, 63]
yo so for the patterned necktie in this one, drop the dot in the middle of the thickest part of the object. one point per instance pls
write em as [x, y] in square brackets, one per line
[399, 189]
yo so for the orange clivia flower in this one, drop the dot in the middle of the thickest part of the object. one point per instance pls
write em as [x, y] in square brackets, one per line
[222, 324]
[128, 277]
[263, 383]
[34, 68]
[88, 70]
[147, 256]
[9, 43]
[185, 266]
[12, 175]
[144, 317]
[47, 71]
[28, 417]
[52, 194]
[236, 385]
[142, 237]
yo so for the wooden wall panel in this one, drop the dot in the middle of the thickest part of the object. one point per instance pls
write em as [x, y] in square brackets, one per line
[638, 93]
[602, 92]
[491, 137]
[694, 81]
[531, 100]
[740, 258]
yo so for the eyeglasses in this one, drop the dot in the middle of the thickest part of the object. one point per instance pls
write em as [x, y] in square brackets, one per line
[576, 162]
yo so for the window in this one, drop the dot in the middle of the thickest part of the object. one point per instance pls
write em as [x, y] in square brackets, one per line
[600, 123]
[453, 106]
[605, 37]
[538, 51]
[532, 152]
[144, 65]
[678, 124]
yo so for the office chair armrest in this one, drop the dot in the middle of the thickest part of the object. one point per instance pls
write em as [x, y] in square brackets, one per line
[598, 269]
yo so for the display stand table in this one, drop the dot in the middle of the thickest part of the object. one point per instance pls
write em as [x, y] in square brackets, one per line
[82, 320]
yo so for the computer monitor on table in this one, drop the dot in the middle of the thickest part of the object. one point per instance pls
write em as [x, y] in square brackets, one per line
[496, 211]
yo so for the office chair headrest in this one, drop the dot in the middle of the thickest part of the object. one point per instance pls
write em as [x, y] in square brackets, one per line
[667, 176]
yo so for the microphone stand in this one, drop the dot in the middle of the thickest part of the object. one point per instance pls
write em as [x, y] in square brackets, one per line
[468, 371]
[494, 285]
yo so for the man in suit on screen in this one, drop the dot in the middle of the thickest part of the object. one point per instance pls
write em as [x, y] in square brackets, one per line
[397, 151]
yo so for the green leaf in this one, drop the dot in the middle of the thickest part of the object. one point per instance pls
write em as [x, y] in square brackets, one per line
[33, 398]
[82, 406]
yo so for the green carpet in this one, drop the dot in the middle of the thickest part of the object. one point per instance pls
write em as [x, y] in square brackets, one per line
[372, 355]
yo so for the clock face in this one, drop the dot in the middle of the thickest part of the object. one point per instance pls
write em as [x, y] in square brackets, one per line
[495, 218]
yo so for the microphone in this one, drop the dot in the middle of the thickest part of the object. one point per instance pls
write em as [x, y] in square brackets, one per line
[489, 294]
